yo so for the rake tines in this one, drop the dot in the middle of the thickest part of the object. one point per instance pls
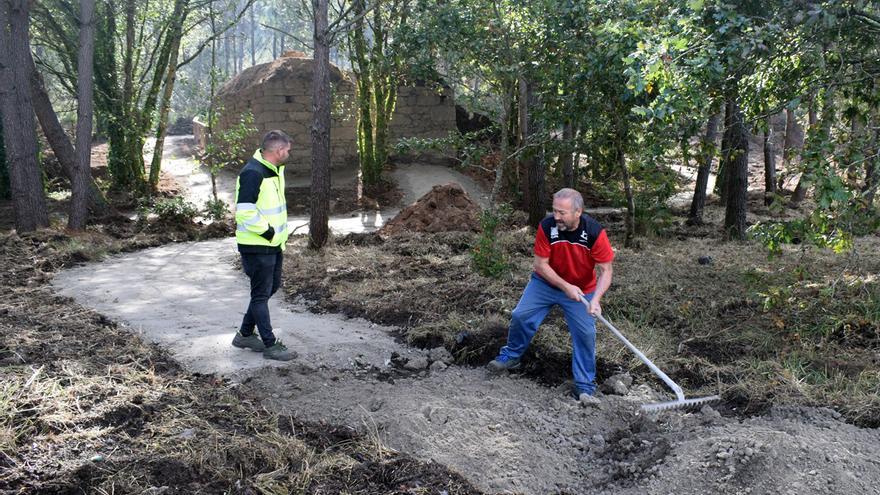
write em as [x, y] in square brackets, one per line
[680, 402]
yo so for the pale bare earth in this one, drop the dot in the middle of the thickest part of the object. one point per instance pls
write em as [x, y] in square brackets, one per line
[505, 434]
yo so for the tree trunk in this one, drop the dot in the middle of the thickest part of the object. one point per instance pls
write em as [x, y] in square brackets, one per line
[506, 101]
[769, 165]
[737, 174]
[721, 176]
[81, 178]
[253, 36]
[320, 191]
[800, 190]
[789, 145]
[164, 107]
[20, 137]
[872, 166]
[565, 159]
[707, 153]
[57, 138]
[535, 161]
[629, 221]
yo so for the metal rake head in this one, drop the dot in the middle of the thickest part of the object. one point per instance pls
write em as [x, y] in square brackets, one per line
[679, 404]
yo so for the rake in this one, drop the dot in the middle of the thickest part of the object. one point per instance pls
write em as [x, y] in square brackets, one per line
[680, 402]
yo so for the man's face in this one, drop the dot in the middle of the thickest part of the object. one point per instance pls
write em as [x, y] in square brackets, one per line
[567, 218]
[278, 155]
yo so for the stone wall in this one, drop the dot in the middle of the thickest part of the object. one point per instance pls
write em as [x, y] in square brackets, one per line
[279, 96]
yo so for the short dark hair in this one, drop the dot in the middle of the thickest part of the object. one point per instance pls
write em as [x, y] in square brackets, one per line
[274, 140]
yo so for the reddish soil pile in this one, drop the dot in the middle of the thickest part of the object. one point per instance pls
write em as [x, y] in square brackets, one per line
[446, 208]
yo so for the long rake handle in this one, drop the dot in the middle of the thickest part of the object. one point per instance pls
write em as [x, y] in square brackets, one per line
[679, 394]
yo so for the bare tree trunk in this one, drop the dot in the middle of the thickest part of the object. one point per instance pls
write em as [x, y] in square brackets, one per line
[723, 160]
[226, 50]
[164, 107]
[565, 160]
[320, 191]
[769, 165]
[737, 174]
[535, 163]
[19, 127]
[506, 101]
[82, 176]
[707, 153]
[57, 138]
[789, 145]
[253, 36]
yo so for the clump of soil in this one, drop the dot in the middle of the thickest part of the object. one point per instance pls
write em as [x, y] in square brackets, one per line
[446, 208]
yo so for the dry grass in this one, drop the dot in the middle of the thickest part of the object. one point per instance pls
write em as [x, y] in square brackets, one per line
[87, 407]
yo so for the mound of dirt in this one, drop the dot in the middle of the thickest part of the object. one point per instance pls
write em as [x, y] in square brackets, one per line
[446, 208]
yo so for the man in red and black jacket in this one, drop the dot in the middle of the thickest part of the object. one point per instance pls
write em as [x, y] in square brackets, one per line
[570, 247]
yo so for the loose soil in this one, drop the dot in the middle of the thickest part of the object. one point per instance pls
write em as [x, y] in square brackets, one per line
[363, 397]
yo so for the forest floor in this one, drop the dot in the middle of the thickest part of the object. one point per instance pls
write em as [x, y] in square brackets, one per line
[392, 396]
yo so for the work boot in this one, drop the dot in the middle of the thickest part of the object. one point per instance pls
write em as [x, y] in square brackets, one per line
[278, 352]
[252, 342]
[503, 363]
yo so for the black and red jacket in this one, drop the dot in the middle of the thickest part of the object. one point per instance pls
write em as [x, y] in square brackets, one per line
[574, 255]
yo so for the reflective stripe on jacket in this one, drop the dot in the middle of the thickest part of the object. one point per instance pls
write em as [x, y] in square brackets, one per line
[260, 206]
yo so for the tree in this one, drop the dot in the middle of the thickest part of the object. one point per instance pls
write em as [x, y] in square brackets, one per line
[81, 179]
[17, 111]
[707, 153]
[320, 189]
[769, 164]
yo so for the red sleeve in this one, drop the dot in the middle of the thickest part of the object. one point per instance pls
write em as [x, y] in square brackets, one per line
[602, 252]
[542, 246]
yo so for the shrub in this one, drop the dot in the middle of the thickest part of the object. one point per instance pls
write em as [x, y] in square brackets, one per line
[488, 257]
[169, 210]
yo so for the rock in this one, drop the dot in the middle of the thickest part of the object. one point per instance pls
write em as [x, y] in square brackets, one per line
[97, 458]
[704, 260]
[598, 440]
[187, 433]
[438, 366]
[155, 490]
[417, 363]
[440, 354]
[617, 384]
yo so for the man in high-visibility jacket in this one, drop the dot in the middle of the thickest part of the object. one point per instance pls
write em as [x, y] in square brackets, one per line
[261, 233]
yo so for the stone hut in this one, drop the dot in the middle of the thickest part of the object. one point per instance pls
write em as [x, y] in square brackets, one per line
[279, 94]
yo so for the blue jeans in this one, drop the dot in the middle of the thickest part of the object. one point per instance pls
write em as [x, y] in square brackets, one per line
[264, 271]
[537, 300]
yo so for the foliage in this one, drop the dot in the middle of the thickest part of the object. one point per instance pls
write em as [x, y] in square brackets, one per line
[488, 256]
[467, 149]
[226, 147]
[819, 229]
[216, 210]
[172, 210]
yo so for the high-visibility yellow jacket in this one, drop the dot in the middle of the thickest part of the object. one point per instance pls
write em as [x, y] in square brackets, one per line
[260, 207]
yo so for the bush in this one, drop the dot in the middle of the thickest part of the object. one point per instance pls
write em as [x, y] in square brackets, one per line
[169, 210]
[215, 210]
[488, 257]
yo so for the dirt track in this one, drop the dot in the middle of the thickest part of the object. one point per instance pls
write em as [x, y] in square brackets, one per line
[503, 434]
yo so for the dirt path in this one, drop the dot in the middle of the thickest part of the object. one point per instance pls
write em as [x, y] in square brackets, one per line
[413, 179]
[504, 434]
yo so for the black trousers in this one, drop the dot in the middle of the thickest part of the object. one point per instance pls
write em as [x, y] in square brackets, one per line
[264, 271]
